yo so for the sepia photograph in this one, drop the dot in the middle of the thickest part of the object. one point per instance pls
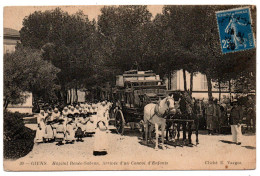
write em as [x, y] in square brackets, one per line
[129, 87]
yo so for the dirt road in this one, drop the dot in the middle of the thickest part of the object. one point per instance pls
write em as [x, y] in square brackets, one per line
[128, 152]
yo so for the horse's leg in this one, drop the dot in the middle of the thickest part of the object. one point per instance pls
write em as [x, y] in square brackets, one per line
[167, 131]
[184, 130]
[189, 132]
[174, 131]
[197, 132]
[178, 130]
[143, 131]
[146, 131]
[150, 129]
[162, 130]
[156, 135]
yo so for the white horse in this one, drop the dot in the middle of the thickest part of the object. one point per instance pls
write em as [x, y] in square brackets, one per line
[154, 114]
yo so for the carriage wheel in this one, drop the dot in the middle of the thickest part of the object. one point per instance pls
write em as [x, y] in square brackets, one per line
[119, 122]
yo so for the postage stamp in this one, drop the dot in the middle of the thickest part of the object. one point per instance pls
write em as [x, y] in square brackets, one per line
[235, 30]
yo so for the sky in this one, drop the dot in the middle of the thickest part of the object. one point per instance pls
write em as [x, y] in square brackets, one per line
[13, 16]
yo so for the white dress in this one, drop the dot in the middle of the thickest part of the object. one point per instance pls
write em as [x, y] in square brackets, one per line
[101, 138]
[48, 132]
[55, 116]
[91, 124]
[102, 114]
[40, 132]
[70, 132]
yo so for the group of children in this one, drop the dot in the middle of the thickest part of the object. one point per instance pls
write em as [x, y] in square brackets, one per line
[72, 123]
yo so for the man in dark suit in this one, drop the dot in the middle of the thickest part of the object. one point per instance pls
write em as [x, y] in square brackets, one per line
[236, 116]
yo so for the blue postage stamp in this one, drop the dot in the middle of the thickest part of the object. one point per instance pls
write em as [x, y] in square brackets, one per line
[235, 30]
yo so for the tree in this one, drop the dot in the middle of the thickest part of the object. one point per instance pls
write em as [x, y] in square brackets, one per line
[68, 41]
[26, 71]
[123, 31]
[218, 66]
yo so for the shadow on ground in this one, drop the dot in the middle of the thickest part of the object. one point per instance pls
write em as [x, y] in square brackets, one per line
[227, 142]
[128, 132]
[249, 147]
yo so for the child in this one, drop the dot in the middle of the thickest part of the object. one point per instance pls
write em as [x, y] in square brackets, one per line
[79, 133]
[49, 136]
[70, 132]
[60, 130]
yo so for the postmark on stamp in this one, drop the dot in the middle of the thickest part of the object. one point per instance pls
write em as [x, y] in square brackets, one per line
[235, 30]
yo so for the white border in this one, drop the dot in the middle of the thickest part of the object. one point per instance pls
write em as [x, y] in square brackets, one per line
[124, 2]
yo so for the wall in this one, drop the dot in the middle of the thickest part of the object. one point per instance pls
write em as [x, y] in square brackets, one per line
[199, 84]
[23, 108]
[9, 47]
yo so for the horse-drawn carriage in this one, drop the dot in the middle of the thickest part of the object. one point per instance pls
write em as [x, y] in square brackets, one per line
[140, 96]
[134, 89]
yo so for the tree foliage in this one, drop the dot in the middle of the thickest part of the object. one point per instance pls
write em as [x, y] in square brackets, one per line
[68, 41]
[90, 53]
[123, 29]
[26, 71]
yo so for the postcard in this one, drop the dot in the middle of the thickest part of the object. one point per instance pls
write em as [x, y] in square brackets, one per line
[129, 87]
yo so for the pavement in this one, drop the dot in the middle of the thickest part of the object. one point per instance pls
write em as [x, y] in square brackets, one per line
[128, 152]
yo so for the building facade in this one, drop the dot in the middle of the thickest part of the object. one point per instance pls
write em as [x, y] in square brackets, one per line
[200, 86]
[11, 38]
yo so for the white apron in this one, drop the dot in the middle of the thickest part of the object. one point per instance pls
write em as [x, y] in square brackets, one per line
[40, 132]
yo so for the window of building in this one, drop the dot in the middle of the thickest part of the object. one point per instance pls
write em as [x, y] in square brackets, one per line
[204, 83]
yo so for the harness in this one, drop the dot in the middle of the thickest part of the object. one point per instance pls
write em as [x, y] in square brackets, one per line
[157, 112]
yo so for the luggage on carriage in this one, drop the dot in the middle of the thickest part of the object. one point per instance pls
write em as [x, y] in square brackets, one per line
[134, 89]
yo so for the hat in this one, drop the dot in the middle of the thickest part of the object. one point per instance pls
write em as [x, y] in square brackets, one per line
[77, 106]
[56, 110]
[82, 115]
[60, 120]
[70, 116]
[41, 110]
[66, 107]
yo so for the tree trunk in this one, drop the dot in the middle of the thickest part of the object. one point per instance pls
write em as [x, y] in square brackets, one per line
[6, 103]
[76, 93]
[184, 80]
[191, 83]
[169, 81]
[64, 93]
[229, 88]
[209, 86]
[70, 98]
[219, 89]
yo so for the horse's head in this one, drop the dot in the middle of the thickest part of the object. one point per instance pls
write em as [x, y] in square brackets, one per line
[170, 104]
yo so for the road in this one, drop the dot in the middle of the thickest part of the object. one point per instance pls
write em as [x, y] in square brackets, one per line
[129, 153]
